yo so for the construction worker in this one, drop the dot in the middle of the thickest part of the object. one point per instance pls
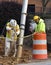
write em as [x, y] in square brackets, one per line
[40, 24]
[13, 31]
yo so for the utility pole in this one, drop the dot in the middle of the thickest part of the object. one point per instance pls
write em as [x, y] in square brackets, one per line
[22, 28]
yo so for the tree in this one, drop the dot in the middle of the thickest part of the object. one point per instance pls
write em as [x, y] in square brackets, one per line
[44, 4]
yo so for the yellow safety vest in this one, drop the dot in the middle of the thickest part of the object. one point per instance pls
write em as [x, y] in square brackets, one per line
[40, 26]
[10, 33]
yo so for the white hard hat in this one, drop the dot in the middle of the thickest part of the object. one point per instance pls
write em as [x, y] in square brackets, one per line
[13, 22]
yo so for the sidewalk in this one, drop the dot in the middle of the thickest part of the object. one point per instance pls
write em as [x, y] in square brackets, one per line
[38, 62]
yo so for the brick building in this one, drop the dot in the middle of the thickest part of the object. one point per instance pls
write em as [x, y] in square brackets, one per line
[37, 3]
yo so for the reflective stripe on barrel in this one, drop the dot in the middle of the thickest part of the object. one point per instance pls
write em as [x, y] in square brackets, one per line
[39, 46]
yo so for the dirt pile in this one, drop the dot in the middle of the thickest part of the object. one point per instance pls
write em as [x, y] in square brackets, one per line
[26, 55]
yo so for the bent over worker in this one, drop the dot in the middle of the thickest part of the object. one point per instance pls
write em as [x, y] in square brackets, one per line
[40, 24]
[13, 31]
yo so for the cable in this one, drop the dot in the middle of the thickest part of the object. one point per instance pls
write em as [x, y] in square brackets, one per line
[22, 37]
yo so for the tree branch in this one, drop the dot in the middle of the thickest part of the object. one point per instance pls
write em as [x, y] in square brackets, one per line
[43, 2]
[46, 2]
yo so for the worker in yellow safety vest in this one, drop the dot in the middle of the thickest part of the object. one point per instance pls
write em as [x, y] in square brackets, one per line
[40, 24]
[13, 31]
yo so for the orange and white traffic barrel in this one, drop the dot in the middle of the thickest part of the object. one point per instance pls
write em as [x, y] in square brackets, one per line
[40, 46]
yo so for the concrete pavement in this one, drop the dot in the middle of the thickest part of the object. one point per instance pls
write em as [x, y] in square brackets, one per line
[42, 62]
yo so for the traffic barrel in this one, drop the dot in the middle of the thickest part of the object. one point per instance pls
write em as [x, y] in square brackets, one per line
[40, 46]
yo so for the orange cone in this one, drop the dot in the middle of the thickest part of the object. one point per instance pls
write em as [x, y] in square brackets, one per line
[40, 46]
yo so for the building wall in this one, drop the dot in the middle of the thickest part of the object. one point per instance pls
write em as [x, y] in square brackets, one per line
[38, 4]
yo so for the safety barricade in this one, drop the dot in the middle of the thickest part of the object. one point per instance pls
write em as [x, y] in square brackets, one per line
[40, 46]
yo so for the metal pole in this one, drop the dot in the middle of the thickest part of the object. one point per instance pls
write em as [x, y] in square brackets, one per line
[22, 28]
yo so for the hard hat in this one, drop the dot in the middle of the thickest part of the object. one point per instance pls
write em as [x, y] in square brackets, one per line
[13, 22]
[36, 17]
